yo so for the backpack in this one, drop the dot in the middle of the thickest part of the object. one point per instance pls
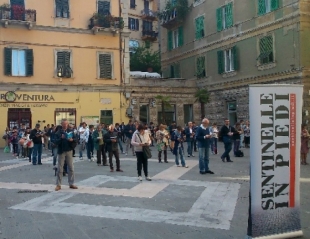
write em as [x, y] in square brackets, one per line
[239, 153]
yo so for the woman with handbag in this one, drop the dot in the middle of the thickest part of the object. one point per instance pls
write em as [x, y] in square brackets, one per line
[139, 141]
[162, 137]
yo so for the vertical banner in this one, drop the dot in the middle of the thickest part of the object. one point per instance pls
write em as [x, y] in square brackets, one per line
[276, 117]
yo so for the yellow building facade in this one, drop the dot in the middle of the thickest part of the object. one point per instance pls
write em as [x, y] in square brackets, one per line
[62, 59]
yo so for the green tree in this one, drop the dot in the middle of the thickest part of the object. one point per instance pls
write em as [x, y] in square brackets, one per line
[165, 103]
[202, 96]
[144, 58]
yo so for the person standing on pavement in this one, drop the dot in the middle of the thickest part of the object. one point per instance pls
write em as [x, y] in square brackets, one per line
[54, 146]
[178, 139]
[90, 144]
[36, 136]
[237, 138]
[162, 137]
[129, 129]
[190, 135]
[203, 136]
[65, 140]
[195, 140]
[119, 135]
[100, 146]
[227, 132]
[139, 139]
[111, 141]
[84, 134]
[214, 131]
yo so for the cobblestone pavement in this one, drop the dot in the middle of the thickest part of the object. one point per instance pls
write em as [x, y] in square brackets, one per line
[178, 203]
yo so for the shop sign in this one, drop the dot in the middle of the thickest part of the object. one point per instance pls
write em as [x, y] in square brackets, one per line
[11, 96]
[23, 105]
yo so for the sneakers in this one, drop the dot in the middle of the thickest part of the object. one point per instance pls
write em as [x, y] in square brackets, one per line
[148, 179]
[193, 155]
[140, 178]
[81, 158]
[185, 166]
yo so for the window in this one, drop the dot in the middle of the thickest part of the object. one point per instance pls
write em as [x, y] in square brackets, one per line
[64, 64]
[227, 60]
[224, 17]
[104, 7]
[175, 38]
[147, 44]
[106, 116]
[146, 5]
[200, 67]
[175, 71]
[132, 3]
[188, 113]
[62, 8]
[147, 26]
[265, 6]
[18, 10]
[65, 113]
[18, 62]
[105, 66]
[133, 24]
[133, 45]
[199, 26]
[266, 50]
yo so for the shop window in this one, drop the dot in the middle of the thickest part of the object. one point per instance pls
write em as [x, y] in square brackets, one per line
[105, 66]
[65, 113]
[104, 7]
[63, 64]
[17, 116]
[62, 8]
[18, 62]
[106, 116]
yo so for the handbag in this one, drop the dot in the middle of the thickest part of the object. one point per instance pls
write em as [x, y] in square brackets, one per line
[6, 149]
[146, 150]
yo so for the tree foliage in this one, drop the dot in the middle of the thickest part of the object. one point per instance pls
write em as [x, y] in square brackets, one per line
[144, 58]
[202, 96]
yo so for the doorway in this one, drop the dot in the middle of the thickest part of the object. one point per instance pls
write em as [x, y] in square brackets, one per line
[232, 112]
[18, 116]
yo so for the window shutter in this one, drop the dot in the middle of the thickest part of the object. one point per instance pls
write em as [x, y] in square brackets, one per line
[220, 61]
[137, 24]
[104, 7]
[235, 58]
[177, 71]
[129, 23]
[229, 15]
[67, 68]
[197, 28]
[180, 36]
[261, 7]
[274, 5]
[105, 66]
[7, 61]
[201, 26]
[170, 44]
[171, 71]
[65, 8]
[219, 22]
[29, 62]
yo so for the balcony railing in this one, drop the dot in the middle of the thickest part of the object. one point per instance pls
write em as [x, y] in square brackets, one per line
[18, 14]
[148, 14]
[168, 18]
[149, 35]
[98, 23]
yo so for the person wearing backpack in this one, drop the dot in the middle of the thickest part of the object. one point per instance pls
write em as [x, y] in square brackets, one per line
[226, 133]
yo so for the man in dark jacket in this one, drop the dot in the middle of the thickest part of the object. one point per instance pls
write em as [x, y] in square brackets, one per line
[129, 129]
[36, 136]
[65, 139]
[111, 140]
[226, 133]
[203, 137]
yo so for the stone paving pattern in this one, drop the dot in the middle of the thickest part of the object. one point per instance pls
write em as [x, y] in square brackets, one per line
[20, 224]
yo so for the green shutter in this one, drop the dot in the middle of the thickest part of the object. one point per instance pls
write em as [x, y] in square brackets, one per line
[67, 69]
[177, 71]
[171, 71]
[220, 61]
[197, 28]
[180, 36]
[29, 62]
[170, 45]
[235, 58]
[229, 15]
[7, 61]
[105, 65]
[274, 5]
[200, 67]
[219, 21]
[202, 27]
[261, 7]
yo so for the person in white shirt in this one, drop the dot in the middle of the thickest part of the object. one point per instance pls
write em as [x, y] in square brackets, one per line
[83, 135]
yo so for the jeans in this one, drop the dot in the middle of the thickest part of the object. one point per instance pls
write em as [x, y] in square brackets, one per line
[227, 146]
[204, 159]
[190, 145]
[15, 149]
[241, 140]
[120, 145]
[37, 153]
[30, 153]
[180, 153]
[141, 161]
[55, 153]
[213, 145]
[236, 145]
[62, 158]
[82, 147]
[88, 150]
[116, 154]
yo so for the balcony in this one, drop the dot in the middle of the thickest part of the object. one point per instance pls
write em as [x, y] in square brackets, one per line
[17, 15]
[147, 14]
[148, 35]
[169, 18]
[106, 23]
